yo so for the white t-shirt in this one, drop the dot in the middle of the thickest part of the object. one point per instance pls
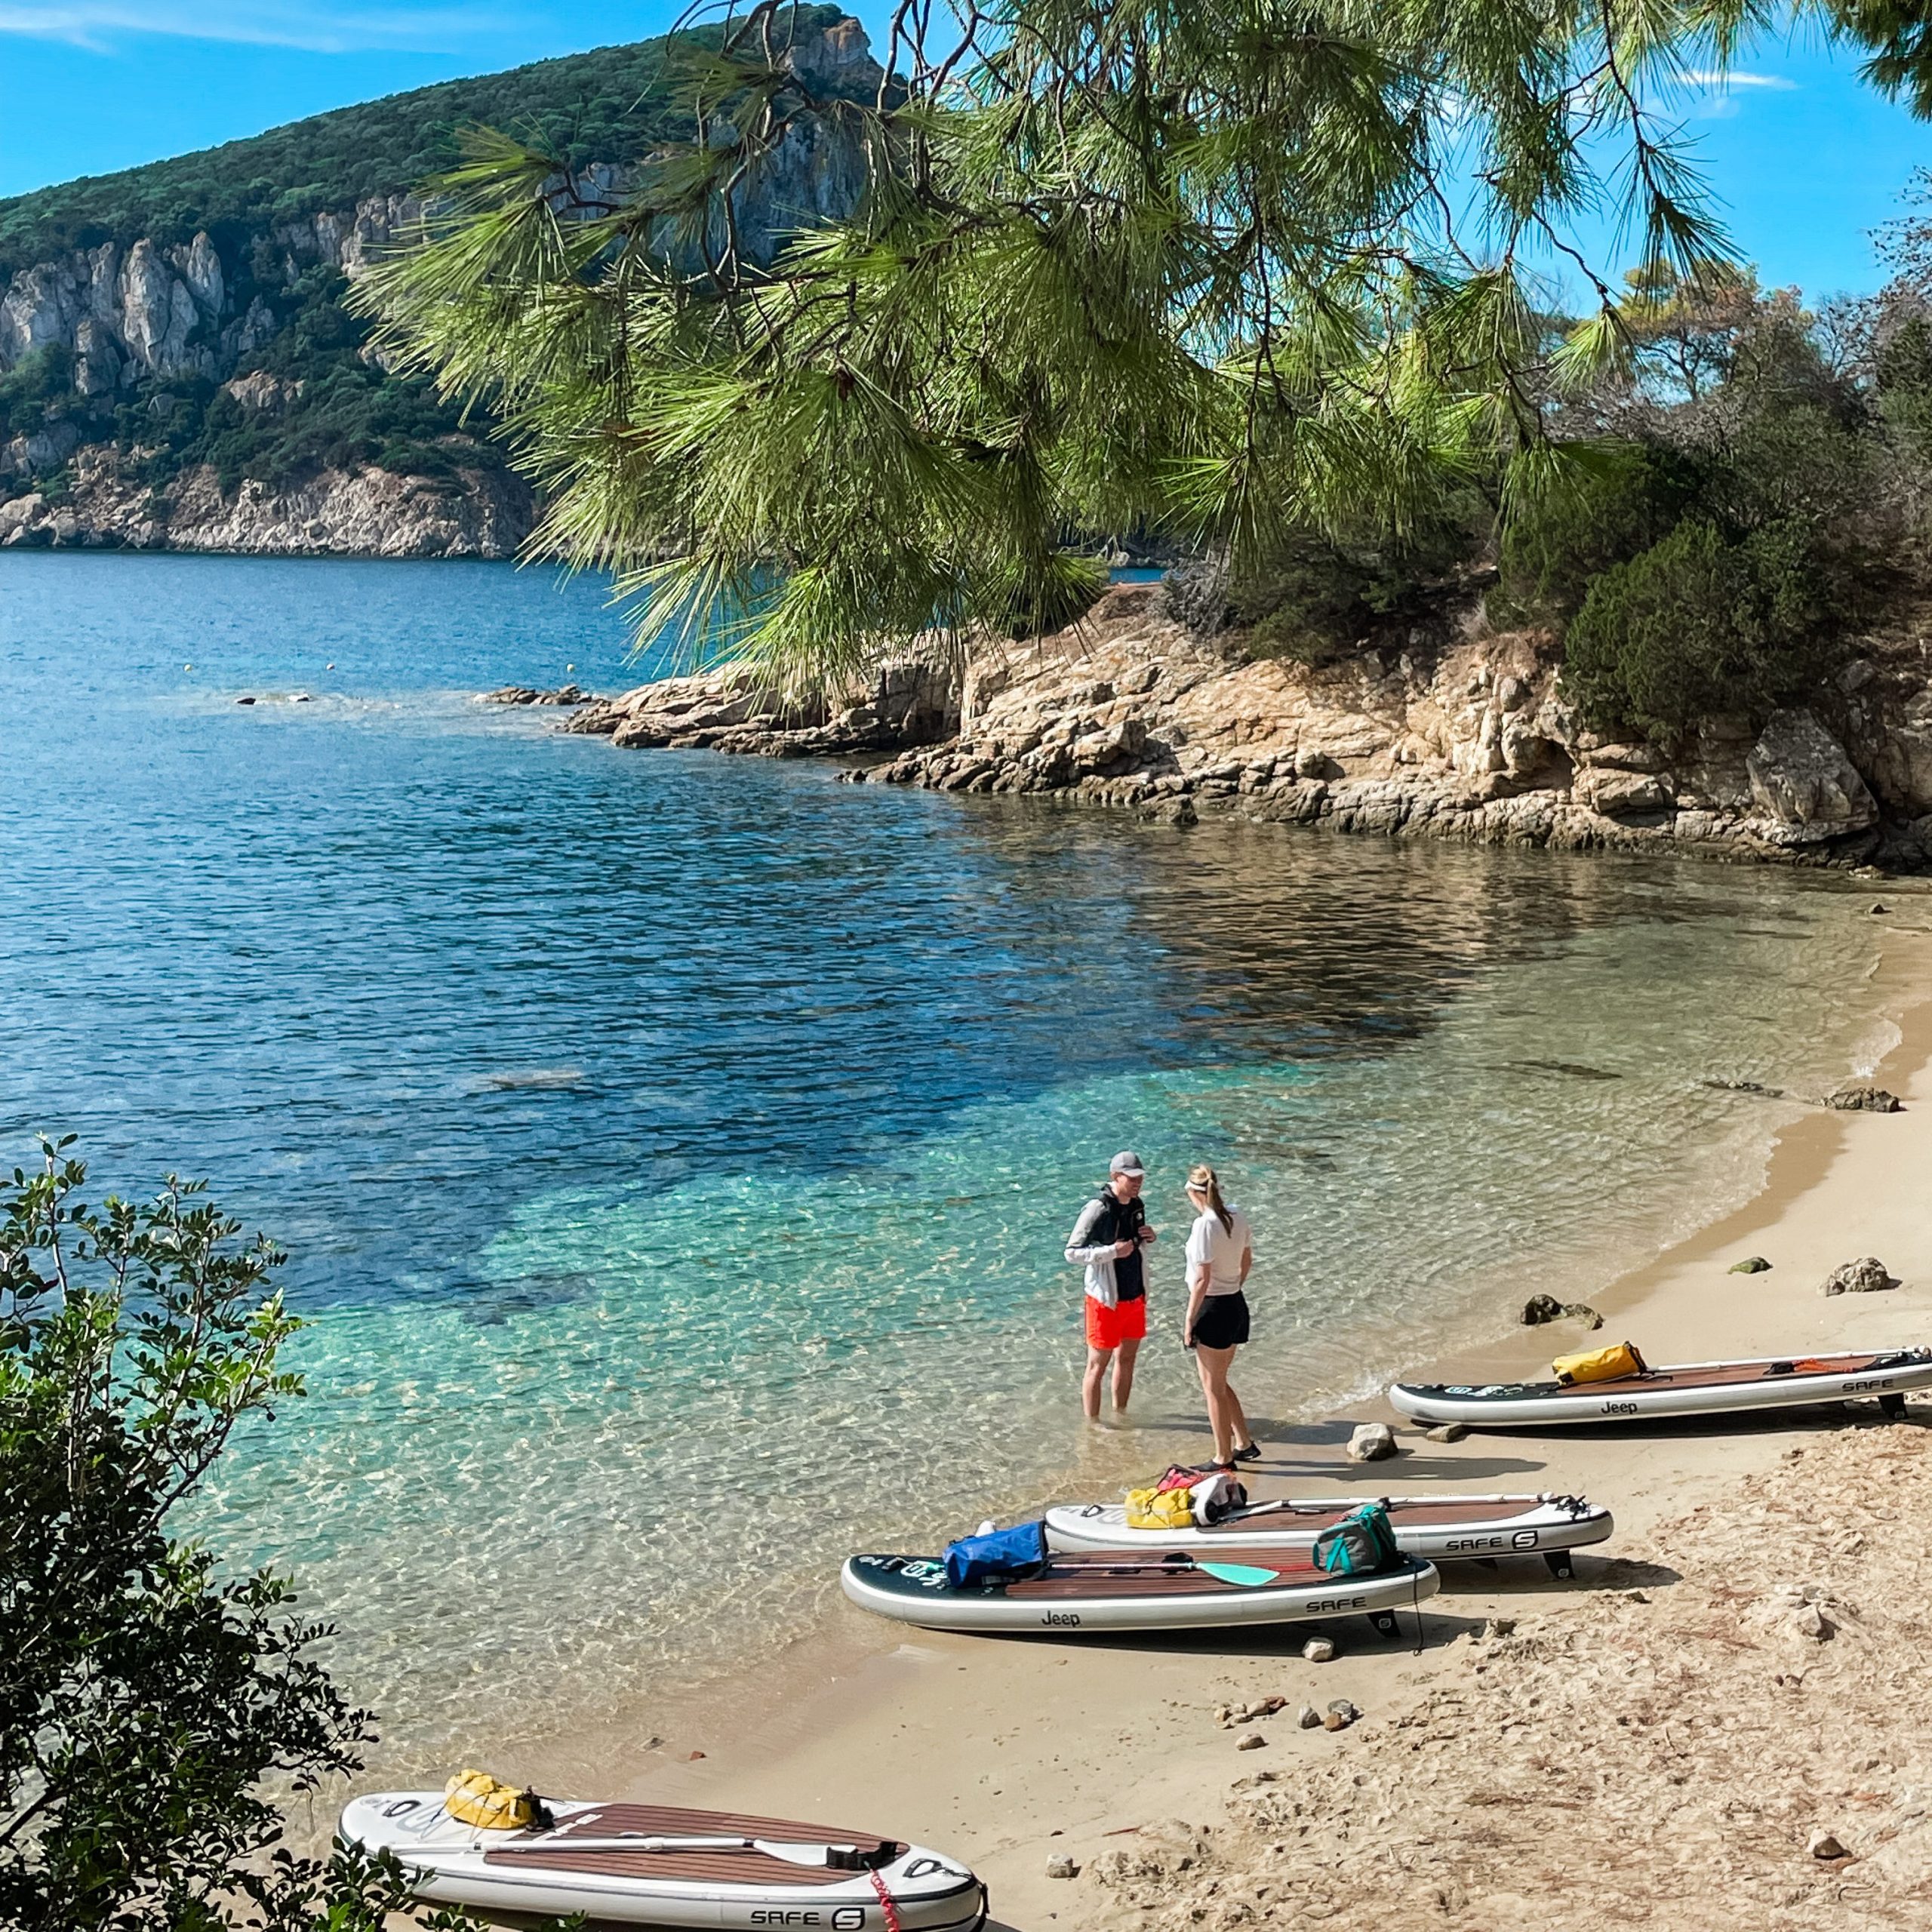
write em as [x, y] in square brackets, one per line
[1220, 1248]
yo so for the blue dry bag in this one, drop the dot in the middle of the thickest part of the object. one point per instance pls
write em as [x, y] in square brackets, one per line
[990, 1559]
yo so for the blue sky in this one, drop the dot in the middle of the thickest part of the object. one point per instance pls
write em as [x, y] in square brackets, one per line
[1806, 160]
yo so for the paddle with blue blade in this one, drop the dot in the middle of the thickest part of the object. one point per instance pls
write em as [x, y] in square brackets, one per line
[1248, 1575]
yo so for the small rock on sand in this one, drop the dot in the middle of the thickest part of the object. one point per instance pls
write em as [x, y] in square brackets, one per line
[1865, 1276]
[1308, 1718]
[1860, 1096]
[1340, 1715]
[1755, 1264]
[1822, 1844]
[1447, 1432]
[1061, 1866]
[1318, 1650]
[1372, 1442]
[1251, 1741]
[1808, 1620]
[1540, 1309]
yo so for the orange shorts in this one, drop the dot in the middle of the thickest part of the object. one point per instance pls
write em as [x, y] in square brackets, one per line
[1108, 1327]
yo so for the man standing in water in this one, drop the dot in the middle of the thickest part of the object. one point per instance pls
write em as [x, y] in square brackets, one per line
[1106, 1241]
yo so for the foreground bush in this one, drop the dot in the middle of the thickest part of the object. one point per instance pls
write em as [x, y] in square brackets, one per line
[152, 1705]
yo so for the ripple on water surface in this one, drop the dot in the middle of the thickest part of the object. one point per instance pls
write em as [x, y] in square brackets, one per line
[677, 1152]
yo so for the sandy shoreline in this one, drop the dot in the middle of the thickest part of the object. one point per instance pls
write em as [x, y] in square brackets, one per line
[1009, 1753]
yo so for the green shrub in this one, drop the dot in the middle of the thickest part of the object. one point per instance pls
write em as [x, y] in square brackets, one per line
[1696, 626]
[1617, 503]
[1315, 600]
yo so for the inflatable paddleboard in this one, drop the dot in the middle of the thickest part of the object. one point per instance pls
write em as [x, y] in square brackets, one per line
[1436, 1528]
[1083, 1592]
[1684, 1389]
[652, 1864]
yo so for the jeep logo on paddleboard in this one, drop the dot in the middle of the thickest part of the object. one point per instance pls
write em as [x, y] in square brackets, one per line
[1865, 1387]
[1619, 1408]
[1067, 1620]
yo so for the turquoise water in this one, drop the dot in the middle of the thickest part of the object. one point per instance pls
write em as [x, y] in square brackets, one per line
[675, 1152]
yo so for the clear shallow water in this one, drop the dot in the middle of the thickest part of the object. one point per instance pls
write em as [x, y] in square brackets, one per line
[675, 1152]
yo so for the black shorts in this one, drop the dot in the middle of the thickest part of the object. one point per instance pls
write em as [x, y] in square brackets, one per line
[1223, 1321]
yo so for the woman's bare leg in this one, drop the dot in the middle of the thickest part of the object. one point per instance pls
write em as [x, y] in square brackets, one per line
[1213, 1365]
[1243, 1437]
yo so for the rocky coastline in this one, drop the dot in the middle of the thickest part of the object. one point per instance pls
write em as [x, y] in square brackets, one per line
[1463, 736]
[368, 512]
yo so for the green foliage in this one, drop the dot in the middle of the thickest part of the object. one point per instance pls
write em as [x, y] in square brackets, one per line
[37, 389]
[1695, 626]
[1119, 266]
[1314, 601]
[1898, 35]
[1610, 502]
[145, 1691]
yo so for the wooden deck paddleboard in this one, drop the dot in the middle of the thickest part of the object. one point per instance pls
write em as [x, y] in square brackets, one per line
[1684, 1389]
[658, 1865]
[1087, 1591]
[1436, 1528]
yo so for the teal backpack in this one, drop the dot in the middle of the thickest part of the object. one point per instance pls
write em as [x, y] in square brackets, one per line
[1360, 1545]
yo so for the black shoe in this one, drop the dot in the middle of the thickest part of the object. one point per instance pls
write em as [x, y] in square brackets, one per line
[1252, 1454]
[1223, 1469]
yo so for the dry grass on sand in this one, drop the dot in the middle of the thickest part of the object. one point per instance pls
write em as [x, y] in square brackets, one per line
[1670, 1753]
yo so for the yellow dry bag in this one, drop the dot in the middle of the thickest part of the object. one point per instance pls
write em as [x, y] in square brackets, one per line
[1159, 1510]
[477, 1798]
[1609, 1364]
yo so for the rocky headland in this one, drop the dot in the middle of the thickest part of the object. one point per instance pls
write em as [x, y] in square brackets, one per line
[1462, 735]
[138, 328]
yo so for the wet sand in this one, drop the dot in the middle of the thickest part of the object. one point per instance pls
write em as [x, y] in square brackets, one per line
[1009, 1753]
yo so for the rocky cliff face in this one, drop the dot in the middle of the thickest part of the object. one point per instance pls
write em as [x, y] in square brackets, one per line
[1469, 740]
[123, 314]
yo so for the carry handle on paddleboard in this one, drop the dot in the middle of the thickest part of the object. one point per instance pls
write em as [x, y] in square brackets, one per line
[838, 1857]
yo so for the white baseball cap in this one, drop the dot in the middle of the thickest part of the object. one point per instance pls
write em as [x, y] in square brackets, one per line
[1127, 1162]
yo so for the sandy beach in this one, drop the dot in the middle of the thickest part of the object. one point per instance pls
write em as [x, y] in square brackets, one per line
[1657, 1741]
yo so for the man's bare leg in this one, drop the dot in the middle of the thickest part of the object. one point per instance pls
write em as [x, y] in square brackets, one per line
[1123, 1374]
[1090, 1389]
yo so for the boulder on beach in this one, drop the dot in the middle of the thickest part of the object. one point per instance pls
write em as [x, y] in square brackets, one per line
[1861, 1096]
[1866, 1275]
[1540, 1309]
[1372, 1442]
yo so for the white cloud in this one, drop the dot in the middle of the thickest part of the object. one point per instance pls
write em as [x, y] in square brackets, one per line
[323, 29]
[1712, 77]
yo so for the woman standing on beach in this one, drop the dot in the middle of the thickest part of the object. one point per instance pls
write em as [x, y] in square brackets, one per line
[1220, 1253]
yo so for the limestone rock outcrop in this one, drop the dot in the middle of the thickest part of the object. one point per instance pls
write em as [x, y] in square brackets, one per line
[1466, 736]
[1804, 786]
[909, 700]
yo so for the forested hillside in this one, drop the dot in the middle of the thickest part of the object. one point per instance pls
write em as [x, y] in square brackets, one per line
[188, 315]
